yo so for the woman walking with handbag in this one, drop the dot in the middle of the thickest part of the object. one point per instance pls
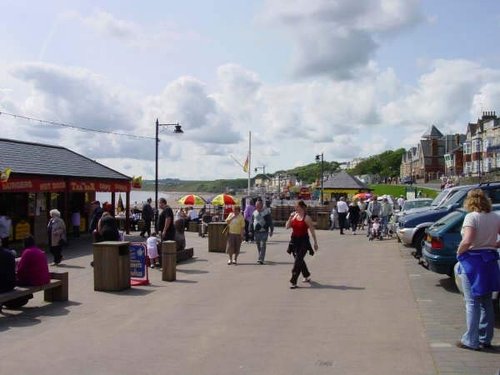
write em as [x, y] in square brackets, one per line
[56, 230]
[301, 225]
[236, 227]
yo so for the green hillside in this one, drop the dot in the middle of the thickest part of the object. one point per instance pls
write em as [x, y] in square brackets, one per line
[385, 164]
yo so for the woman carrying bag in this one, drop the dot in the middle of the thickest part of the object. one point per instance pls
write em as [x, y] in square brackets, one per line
[236, 227]
[478, 269]
[301, 225]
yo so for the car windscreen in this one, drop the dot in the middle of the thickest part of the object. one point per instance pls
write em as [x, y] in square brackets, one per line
[440, 197]
[408, 205]
[458, 197]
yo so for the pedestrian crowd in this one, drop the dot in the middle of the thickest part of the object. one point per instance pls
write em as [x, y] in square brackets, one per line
[477, 252]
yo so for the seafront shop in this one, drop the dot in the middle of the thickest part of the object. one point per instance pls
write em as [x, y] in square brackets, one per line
[28, 200]
[42, 177]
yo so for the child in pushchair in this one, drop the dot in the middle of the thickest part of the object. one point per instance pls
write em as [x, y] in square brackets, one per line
[375, 228]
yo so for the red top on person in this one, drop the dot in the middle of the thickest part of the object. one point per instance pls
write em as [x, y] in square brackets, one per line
[32, 269]
[299, 227]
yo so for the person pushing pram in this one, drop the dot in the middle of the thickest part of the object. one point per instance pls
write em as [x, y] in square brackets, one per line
[373, 210]
[376, 228]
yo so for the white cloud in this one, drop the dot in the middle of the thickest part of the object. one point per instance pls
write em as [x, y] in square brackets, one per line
[290, 123]
[106, 24]
[338, 38]
[443, 95]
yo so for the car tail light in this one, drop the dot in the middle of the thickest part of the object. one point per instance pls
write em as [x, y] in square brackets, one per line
[436, 243]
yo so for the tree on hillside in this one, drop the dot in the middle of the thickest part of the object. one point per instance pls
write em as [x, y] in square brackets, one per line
[386, 164]
[311, 172]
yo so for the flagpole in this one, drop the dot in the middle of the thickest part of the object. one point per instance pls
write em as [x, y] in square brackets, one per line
[249, 160]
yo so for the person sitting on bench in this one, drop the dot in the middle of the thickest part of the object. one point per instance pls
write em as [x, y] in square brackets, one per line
[32, 269]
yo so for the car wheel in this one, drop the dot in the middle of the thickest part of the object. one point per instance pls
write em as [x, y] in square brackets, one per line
[417, 243]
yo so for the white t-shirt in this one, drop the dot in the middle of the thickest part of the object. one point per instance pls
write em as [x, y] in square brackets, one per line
[342, 207]
[152, 246]
[401, 201]
[487, 226]
[193, 214]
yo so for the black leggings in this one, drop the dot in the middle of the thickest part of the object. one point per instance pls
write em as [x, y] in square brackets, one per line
[300, 247]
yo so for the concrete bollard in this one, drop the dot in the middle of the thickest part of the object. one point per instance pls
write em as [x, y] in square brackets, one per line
[168, 260]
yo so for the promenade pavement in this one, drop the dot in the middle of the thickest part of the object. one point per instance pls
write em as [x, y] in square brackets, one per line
[367, 311]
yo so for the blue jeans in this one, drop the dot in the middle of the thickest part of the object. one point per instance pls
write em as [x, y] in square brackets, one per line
[261, 240]
[479, 317]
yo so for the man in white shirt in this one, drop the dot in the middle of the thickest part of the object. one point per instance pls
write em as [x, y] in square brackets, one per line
[342, 209]
[401, 201]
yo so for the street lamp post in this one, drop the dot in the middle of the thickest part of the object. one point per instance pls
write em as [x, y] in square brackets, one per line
[319, 158]
[177, 130]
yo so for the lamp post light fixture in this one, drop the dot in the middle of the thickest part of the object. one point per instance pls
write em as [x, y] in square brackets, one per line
[177, 130]
[319, 158]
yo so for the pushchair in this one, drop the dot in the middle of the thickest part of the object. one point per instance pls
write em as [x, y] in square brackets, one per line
[375, 228]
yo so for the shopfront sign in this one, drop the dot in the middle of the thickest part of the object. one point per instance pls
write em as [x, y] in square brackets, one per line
[32, 185]
[36, 184]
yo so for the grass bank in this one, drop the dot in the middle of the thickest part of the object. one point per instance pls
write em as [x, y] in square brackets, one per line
[397, 190]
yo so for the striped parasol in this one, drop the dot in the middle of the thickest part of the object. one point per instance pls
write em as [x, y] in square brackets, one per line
[223, 199]
[192, 200]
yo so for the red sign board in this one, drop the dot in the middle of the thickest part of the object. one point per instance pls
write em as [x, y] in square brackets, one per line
[37, 184]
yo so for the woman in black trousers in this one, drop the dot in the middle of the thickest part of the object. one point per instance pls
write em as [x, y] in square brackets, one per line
[301, 225]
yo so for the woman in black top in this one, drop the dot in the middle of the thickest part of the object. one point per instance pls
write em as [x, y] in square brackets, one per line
[108, 228]
[354, 212]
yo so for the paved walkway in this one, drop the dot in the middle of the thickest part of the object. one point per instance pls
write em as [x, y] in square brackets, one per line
[365, 313]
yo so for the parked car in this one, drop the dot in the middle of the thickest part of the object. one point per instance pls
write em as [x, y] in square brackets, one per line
[407, 180]
[411, 228]
[439, 248]
[412, 206]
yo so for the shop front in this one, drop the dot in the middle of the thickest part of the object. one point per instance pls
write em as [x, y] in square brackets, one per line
[27, 200]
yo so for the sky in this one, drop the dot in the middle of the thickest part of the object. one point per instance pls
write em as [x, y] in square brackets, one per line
[344, 78]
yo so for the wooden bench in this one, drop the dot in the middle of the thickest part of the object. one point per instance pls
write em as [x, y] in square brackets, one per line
[55, 290]
[185, 254]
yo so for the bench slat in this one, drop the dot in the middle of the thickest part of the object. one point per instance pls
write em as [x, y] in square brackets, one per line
[21, 291]
[55, 290]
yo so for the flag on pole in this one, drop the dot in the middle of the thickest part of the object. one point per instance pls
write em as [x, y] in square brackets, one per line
[245, 166]
[137, 182]
[4, 176]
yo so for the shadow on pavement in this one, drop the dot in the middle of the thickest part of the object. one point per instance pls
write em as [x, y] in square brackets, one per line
[192, 260]
[133, 291]
[193, 272]
[448, 284]
[316, 285]
[29, 315]
[272, 263]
